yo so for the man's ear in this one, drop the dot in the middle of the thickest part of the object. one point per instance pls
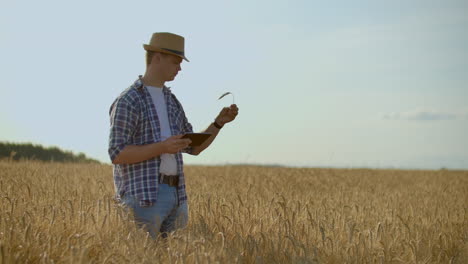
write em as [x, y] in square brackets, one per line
[156, 58]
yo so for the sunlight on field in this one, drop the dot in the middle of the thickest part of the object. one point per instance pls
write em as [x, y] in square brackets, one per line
[53, 212]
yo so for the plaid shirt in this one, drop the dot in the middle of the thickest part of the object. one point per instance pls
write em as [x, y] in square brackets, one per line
[134, 121]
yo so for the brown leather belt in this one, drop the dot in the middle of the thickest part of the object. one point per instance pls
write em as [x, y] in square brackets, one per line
[171, 180]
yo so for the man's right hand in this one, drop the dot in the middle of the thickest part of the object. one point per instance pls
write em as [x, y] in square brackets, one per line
[175, 144]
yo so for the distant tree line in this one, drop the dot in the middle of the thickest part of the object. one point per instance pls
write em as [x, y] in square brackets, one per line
[28, 151]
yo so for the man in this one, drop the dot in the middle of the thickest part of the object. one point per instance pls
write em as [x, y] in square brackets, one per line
[146, 144]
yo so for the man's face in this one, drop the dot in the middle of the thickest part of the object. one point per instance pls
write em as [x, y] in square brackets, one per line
[169, 66]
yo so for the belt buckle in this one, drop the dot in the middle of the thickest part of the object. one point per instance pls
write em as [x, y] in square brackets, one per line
[170, 180]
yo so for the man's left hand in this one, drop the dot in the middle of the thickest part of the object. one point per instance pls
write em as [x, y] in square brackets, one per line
[227, 114]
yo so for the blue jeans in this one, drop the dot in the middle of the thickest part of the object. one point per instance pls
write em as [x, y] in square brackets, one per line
[162, 217]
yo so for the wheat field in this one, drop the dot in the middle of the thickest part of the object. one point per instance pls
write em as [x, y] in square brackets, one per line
[65, 213]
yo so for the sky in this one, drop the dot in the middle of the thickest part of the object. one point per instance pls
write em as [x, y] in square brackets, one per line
[351, 84]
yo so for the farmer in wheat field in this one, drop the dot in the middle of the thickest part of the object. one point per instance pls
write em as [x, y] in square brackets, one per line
[145, 142]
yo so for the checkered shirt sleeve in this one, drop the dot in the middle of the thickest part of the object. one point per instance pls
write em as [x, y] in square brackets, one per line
[123, 121]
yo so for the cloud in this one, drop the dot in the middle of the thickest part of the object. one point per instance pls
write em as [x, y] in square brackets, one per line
[425, 115]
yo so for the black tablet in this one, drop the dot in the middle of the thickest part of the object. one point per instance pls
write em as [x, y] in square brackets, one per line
[197, 138]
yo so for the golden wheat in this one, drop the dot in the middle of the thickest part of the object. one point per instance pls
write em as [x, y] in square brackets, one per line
[65, 213]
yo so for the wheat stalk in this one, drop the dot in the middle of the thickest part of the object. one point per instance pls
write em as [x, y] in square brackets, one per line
[227, 93]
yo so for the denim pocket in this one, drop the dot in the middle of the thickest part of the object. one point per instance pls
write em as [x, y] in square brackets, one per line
[129, 200]
[133, 202]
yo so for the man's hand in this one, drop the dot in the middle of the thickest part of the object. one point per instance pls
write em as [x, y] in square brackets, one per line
[227, 114]
[175, 144]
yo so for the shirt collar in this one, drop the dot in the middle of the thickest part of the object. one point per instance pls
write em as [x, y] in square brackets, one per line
[139, 85]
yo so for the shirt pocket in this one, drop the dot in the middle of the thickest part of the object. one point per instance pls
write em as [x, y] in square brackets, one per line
[144, 133]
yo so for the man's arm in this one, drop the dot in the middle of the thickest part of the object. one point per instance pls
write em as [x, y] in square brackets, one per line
[227, 114]
[214, 132]
[138, 153]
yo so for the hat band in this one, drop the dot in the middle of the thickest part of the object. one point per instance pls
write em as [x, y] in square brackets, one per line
[181, 53]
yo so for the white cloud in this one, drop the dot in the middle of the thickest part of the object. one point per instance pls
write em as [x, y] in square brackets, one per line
[425, 115]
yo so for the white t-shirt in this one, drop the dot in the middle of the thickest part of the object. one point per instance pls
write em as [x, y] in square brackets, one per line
[168, 161]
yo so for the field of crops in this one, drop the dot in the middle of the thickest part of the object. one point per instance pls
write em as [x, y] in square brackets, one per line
[65, 213]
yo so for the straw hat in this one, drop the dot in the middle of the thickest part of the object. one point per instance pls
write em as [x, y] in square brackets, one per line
[167, 43]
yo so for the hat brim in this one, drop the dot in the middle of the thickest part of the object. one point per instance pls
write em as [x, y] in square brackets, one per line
[155, 49]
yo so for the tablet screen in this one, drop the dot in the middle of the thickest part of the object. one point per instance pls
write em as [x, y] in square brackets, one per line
[197, 138]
